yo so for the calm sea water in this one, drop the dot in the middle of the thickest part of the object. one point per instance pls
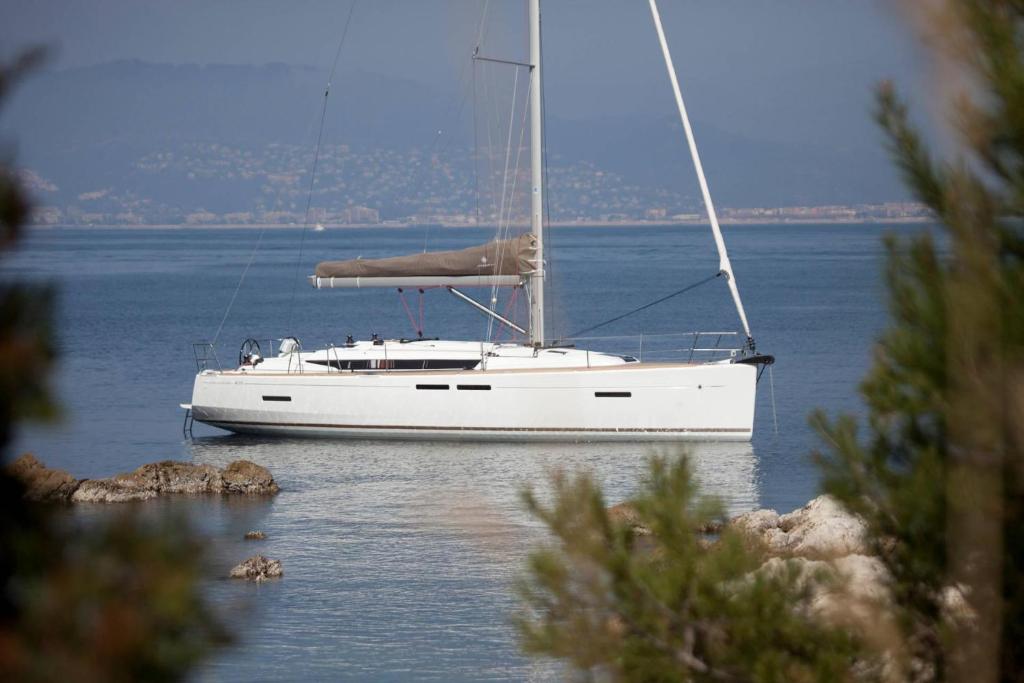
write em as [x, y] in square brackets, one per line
[399, 557]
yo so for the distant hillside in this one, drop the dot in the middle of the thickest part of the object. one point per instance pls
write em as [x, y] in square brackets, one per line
[134, 141]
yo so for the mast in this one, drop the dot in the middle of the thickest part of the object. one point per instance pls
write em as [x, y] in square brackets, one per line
[724, 266]
[537, 179]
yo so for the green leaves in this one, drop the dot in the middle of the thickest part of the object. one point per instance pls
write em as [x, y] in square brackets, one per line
[938, 475]
[655, 598]
[937, 471]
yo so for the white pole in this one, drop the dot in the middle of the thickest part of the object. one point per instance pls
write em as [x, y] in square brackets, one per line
[537, 180]
[723, 257]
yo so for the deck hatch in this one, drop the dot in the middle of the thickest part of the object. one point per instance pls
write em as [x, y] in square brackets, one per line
[613, 394]
[432, 387]
[277, 398]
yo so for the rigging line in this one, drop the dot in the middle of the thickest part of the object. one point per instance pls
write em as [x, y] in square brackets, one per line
[509, 315]
[490, 98]
[504, 178]
[519, 156]
[476, 151]
[238, 287]
[508, 155]
[418, 330]
[646, 306]
[484, 161]
[515, 183]
[421, 312]
[316, 160]
[494, 128]
[504, 232]
[458, 114]
[505, 182]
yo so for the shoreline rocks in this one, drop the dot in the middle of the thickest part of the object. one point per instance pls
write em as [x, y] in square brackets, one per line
[257, 568]
[247, 478]
[820, 530]
[255, 535]
[627, 515]
[240, 477]
[826, 545]
[42, 484]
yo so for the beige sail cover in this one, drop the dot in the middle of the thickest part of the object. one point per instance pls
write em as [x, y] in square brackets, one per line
[505, 257]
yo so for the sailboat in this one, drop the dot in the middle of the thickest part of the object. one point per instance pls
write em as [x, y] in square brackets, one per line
[539, 389]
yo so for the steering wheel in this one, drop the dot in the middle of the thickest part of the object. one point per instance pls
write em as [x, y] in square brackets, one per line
[249, 348]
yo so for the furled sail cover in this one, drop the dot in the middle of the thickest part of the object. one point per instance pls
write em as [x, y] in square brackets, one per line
[505, 257]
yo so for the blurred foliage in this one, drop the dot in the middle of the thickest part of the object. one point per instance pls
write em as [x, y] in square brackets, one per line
[660, 601]
[111, 599]
[26, 347]
[939, 476]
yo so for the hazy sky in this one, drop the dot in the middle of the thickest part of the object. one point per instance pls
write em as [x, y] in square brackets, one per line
[792, 73]
[776, 56]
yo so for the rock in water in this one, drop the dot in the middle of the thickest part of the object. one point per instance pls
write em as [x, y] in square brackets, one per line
[170, 476]
[255, 535]
[113, 490]
[627, 515]
[41, 482]
[242, 476]
[850, 591]
[258, 568]
[756, 522]
[822, 529]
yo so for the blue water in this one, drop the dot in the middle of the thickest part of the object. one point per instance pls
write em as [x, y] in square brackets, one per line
[399, 557]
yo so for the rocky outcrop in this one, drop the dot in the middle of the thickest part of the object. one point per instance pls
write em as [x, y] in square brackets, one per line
[827, 548]
[42, 483]
[821, 542]
[255, 535]
[850, 592]
[173, 477]
[826, 551]
[626, 515]
[114, 490]
[822, 529]
[257, 568]
[242, 476]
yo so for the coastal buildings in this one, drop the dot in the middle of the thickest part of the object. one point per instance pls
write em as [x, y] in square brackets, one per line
[220, 185]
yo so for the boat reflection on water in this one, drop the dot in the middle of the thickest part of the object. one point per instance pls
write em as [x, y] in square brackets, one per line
[368, 474]
[402, 556]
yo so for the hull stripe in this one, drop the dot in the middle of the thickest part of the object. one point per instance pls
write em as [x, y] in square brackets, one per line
[610, 430]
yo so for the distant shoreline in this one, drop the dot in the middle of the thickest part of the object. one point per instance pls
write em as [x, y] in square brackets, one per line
[553, 224]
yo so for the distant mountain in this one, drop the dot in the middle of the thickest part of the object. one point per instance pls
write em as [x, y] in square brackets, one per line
[173, 140]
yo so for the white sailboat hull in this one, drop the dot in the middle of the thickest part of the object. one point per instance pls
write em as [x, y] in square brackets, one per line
[432, 389]
[632, 402]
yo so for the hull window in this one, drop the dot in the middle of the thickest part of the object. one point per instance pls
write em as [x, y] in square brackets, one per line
[342, 364]
[613, 394]
[432, 387]
[398, 364]
[473, 387]
[277, 398]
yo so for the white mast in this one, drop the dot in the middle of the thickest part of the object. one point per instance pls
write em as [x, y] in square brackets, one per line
[724, 266]
[536, 181]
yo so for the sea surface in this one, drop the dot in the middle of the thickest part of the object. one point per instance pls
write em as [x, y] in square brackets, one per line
[400, 558]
